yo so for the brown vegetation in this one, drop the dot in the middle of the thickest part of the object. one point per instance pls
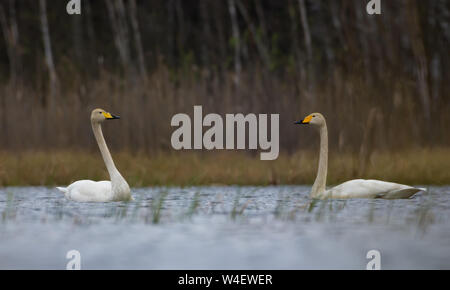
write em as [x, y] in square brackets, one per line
[419, 166]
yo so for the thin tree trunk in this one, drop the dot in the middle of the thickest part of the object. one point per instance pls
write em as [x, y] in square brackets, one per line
[137, 39]
[335, 19]
[182, 27]
[294, 35]
[92, 56]
[11, 35]
[78, 37]
[236, 40]
[308, 46]
[262, 21]
[220, 34]
[206, 33]
[305, 25]
[262, 49]
[418, 48]
[116, 11]
[298, 54]
[362, 31]
[171, 53]
[54, 83]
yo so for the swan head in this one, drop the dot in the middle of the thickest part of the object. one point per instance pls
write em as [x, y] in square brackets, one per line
[315, 119]
[100, 115]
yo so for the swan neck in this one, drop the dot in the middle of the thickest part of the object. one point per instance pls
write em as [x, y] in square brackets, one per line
[321, 178]
[110, 166]
[119, 186]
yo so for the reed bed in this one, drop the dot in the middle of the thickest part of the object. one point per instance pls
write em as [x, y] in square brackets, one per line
[49, 168]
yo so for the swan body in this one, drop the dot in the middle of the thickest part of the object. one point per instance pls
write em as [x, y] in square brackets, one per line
[88, 191]
[357, 188]
[100, 191]
[362, 188]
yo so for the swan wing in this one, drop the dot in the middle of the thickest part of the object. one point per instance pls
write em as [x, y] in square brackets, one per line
[361, 188]
[89, 191]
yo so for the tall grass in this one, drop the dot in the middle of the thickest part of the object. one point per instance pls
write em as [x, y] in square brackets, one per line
[146, 108]
[415, 166]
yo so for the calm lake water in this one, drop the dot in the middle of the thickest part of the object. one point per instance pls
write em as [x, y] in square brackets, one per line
[223, 227]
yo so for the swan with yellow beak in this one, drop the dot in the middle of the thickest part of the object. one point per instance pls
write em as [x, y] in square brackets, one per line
[357, 188]
[117, 188]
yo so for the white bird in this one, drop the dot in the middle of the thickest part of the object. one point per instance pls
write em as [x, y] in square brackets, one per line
[358, 188]
[101, 191]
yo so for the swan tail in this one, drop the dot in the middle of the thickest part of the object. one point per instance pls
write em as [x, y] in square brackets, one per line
[403, 193]
[62, 189]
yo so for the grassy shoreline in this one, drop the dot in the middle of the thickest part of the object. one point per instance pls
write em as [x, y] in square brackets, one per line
[418, 166]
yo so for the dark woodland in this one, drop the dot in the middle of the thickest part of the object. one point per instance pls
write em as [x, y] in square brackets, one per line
[379, 79]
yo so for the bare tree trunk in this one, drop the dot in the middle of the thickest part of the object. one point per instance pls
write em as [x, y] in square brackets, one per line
[335, 18]
[116, 11]
[92, 56]
[137, 39]
[308, 45]
[262, 49]
[206, 33]
[182, 29]
[305, 25]
[220, 34]
[362, 32]
[10, 43]
[78, 37]
[436, 12]
[294, 36]
[11, 34]
[262, 21]
[418, 48]
[236, 40]
[171, 54]
[54, 83]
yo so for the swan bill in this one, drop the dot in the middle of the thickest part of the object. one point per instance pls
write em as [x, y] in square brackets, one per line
[109, 116]
[304, 121]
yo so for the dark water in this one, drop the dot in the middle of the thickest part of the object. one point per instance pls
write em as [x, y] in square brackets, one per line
[227, 227]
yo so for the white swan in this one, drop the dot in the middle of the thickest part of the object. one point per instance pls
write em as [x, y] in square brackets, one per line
[358, 188]
[102, 191]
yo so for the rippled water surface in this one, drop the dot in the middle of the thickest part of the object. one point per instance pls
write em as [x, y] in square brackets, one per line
[227, 227]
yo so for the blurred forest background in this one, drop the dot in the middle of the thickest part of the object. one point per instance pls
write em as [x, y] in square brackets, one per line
[382, 81]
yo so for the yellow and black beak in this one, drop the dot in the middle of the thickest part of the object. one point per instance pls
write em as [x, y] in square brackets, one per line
[109, 116]
[304, 121]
